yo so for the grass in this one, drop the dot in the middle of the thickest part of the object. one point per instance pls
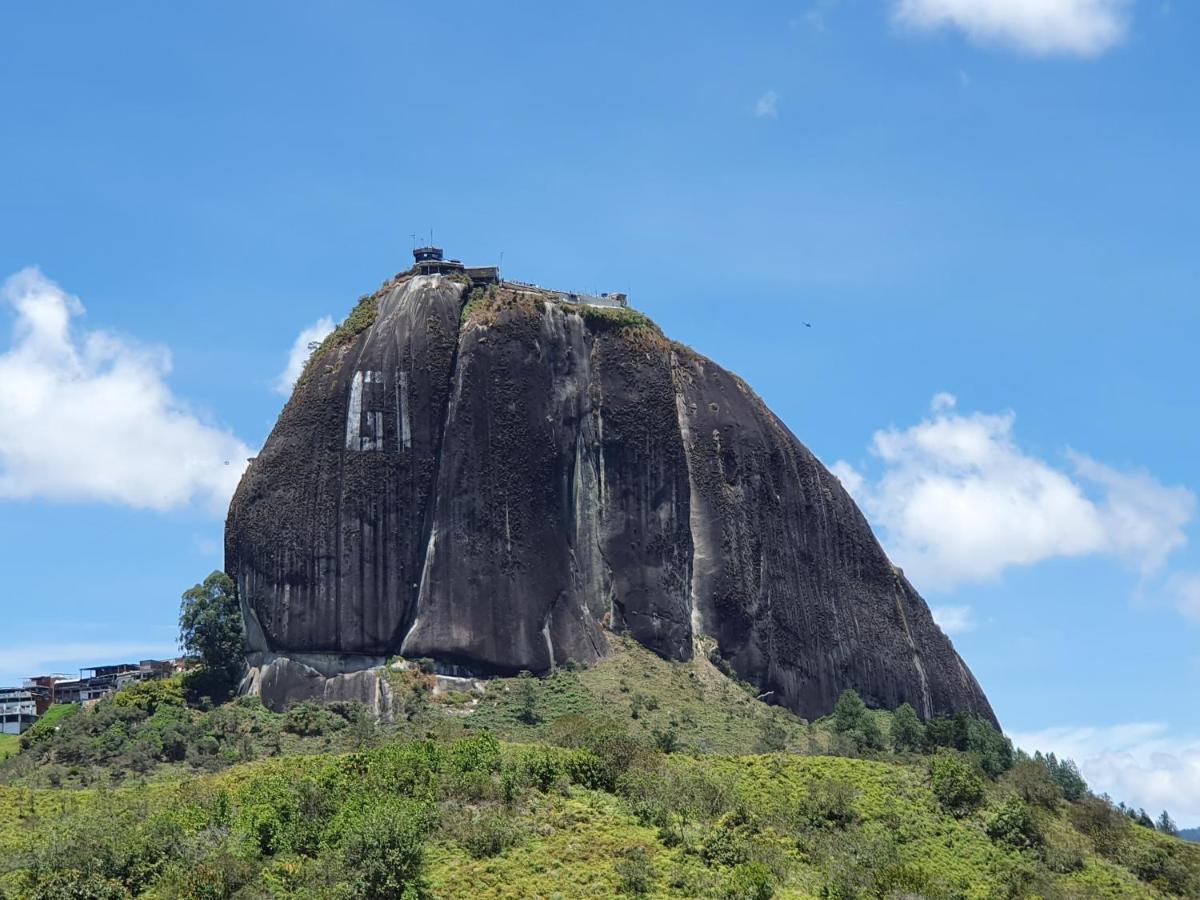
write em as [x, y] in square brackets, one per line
[485, 304]
[570, 854]
[10, 745]
[705, 710]
[55, 714]
[614, 317]
[360, 319]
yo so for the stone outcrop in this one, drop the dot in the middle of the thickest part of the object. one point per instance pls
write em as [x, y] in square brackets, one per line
[496, 484]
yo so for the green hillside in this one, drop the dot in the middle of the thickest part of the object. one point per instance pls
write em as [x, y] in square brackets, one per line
[561, 787]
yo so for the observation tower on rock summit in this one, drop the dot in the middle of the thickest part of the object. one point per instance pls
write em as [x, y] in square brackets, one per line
[431, 261]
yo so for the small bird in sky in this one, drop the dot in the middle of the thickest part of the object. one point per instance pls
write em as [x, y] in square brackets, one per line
[808, 324]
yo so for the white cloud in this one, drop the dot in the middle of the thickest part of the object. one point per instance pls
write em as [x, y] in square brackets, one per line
[959, 501]
[850, 478]
[1141, 763]
[954, 619]
[300, 352]
[1183, 588]
[88, 415]
[1040, 27]
[767, 106]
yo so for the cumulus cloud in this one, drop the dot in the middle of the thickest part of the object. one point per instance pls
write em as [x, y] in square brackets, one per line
[1040, 27]
[88, 415]
[954, 619]
[959, 501]
[1141, 763]
[300, 352]
[767, 106]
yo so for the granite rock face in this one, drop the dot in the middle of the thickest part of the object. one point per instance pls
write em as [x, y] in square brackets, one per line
[497, 486]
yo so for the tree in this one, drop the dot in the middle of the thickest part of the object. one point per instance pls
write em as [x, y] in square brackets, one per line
[994, 750]
[852, 720]
[527, 698]
[1065, 773]
[210, 627]
[908, 733]
[849, 713]
[1167, 825]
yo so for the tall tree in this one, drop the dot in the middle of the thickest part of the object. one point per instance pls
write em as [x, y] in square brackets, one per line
[1167, 825]
[210, 627]
[908, 732]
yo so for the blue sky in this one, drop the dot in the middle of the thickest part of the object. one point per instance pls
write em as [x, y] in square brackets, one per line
[987, 210]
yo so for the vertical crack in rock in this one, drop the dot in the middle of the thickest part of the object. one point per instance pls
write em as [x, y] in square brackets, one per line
[702, 555]
[926, 701]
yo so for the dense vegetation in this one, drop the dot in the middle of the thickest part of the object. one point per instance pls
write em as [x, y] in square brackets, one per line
[629, 778]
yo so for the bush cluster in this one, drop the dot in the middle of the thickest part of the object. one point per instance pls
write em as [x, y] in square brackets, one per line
[151, 724]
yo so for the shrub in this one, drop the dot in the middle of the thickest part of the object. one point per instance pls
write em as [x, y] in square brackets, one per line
[749, 881]
[381, 846]
[673, 798]
[614, 749]
[45, 728]
[829, 803]
[484, 832]
[541, 767]
[148, 696]
[1034, 784]
[114, 840]
[1153, 864]
[956, 784]
[1097, 818]
[858, 862]
[1014, 824]
[309, 718]
[728, 842]
[772, 736]
[71, 884]
[1065, 853]
[635, 874]
[666, 740]
[216, 876]
[478, 753]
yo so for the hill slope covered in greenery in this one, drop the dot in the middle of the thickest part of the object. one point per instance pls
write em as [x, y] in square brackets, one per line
[636, 777]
